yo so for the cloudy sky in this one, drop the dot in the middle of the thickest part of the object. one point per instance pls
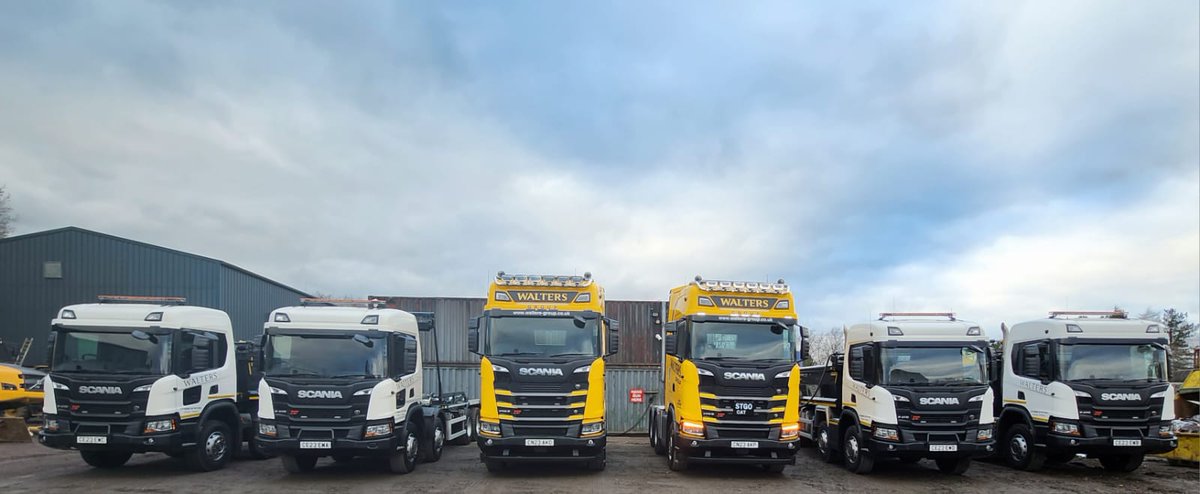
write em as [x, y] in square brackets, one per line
[997, 159]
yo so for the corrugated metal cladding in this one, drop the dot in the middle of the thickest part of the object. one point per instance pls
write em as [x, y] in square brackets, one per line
[94, 264]
[638, 325]
[623, 416]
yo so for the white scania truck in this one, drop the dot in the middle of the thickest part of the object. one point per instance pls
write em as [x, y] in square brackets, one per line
[907, 386]
[346, 381]
[1090, 382]
[145, 374]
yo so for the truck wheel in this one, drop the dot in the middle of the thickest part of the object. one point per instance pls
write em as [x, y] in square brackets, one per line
[494, 466]
[214, 449]
[405, 461]
[858, 459]
[656, 440]
[431, 446]
[1022, 453]
[774, 467]
[675, 461]
[470, 425]
[824, 447]
[955, 466]
[1122, 463]
[298, 464]
[105, 459]
[598, 463]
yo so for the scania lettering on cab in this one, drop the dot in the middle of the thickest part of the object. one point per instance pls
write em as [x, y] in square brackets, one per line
[731, 390]
[343, 378]
[1084, 382]
[907, 386]
[144, 374]
[542, 341]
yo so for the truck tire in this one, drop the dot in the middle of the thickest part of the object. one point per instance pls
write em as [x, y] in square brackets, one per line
[1021, 451]
[406, 461]
[656, 440]
[857, 458]
[1122, 463]
[214, 448]
[471, 424]
[953, 466]
[675, 461]
[105, 459]
[598, 463]
[298, 464]
[824, 446]
[433, 443]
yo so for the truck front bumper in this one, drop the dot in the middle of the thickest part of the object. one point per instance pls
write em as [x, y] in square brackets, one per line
[722, 451]
[925, 450]
[564, 449]
[384, 446]
[1104, 445]
[164, 442]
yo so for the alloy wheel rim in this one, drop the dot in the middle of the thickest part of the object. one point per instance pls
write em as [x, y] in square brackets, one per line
[852, 449]
[410, 445]
[1018, 448]
[215, 446]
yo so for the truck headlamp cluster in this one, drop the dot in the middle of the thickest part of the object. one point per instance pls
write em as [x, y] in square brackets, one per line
[1160, 394]
[145, 388]
[741, 286]
[543, 280]
[55, 425]
[592, 429]
[900, 399]
[582, 370]
[1164, 431]
[1065, 428]
[703, 372]
[976, 398]
[789, 431]
[886, 434]
[377, 430]
[267, 430]
[364, 392]
[489, 428]
[277, 391]
[983, 434]
[689, 428]
[61, 386]
[159, 425]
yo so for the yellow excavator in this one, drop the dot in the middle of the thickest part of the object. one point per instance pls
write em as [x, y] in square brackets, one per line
[20, 400]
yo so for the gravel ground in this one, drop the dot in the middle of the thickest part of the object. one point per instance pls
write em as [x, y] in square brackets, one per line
[632, 467]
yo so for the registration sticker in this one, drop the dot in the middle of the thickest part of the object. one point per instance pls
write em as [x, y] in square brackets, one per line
[1127, 442]
[943, 447]
[539, 442]
[316, 444]
[91, 440]
[743, 444]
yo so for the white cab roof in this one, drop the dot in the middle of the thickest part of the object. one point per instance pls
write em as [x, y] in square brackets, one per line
[922, 329]
[342, 318]
[1091, 327]
[134, 316]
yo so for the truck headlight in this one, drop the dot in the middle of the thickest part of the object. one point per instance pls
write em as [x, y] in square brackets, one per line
[277, 391]
[489, 428]
[1066, 428]
[1164, 431]
[592, 428]
[983, 434]
[690, 428]
[377, 430]
[789, 431]
[61, 386]
[267, 430]
[887, 434]
[145, 388]
[55, 425]
[8, 387]
[159, 425]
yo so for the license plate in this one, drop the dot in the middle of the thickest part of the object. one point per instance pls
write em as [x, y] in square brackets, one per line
[1127, 442]
[743, 444]
[742, 408]
[943, 447]
[316, 444]
[91, 440]
[539, 442]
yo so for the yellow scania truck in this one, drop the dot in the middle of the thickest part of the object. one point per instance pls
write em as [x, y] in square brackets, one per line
[542, 342]
[731, 389]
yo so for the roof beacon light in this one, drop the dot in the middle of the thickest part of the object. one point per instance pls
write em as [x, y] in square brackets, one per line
[68, 314]
[108, 299]
[885, 315]
[503, 278]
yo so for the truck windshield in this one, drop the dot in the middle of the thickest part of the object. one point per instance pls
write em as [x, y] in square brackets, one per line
[543, 337]
[934, 365]
[111, 350]
[323, 355]
[741, 341]
[1082, 362]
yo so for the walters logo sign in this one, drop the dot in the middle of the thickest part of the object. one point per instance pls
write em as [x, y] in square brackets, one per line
[545, 297]
[756, 303]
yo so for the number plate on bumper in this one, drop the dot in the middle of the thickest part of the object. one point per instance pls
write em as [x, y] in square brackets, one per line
[743, 444]
[943, 447]
[539, 442]
[91, 440]
[1127, 442]
[316, 444]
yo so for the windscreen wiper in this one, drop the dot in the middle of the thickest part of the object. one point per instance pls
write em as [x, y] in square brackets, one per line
[573, 354]
[364, 376]
[294, 374]
[515, 354]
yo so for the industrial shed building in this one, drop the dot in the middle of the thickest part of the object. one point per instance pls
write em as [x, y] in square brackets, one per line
[42, 272]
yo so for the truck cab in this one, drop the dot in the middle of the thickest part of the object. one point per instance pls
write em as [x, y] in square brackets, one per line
[542, 340]
[1084, 382]
[731, 385]
[907, 386]
[343, 378]
[143, 374]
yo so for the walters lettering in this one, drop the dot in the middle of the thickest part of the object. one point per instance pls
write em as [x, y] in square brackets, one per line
[546, 297]
[744, 302]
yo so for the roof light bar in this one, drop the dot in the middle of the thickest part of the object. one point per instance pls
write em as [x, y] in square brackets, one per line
[503, 278]
[1111, 314]
[107, 299]
[885, 315]
[740, 286]
[370, 303]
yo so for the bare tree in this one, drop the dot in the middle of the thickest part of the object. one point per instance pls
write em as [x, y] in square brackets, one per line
[6, 217]
[1179, 331]
[822, 344]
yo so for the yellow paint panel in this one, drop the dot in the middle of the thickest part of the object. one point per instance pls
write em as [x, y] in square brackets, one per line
[487, 392]
[594, 406]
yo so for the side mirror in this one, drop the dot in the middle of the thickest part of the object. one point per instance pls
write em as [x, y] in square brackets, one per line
[614, 337]
[473, 336]
[805, 354]
[670, 341]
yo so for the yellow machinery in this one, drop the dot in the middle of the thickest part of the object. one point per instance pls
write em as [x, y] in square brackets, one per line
[20, 398]
[731, 389]
[1187, 405]
[542, 342]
